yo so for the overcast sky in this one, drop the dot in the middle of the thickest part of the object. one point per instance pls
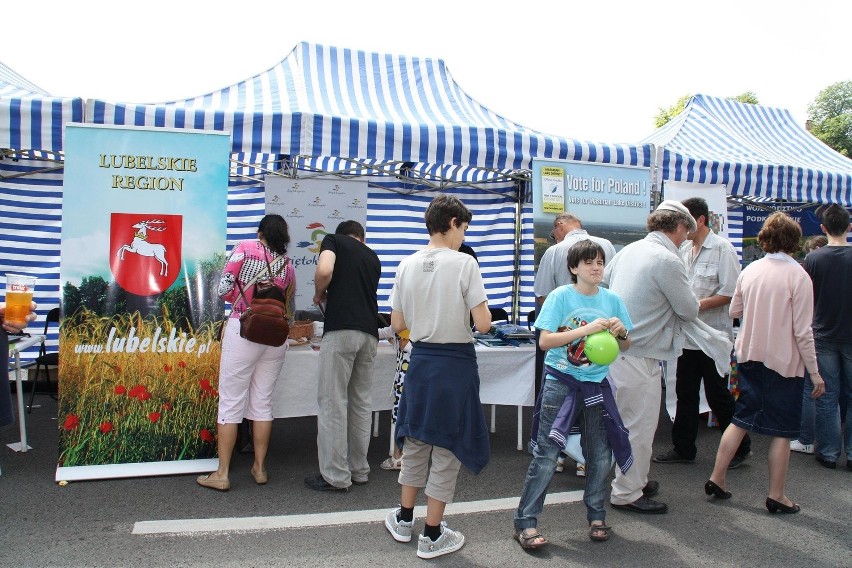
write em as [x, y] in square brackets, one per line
[598, 71]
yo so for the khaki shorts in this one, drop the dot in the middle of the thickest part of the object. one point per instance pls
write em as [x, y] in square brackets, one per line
[440, 479]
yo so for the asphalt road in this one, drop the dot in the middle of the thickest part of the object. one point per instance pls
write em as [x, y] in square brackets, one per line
[91, 523]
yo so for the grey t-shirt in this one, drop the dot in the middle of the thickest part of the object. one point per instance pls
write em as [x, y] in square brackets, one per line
[435, 290]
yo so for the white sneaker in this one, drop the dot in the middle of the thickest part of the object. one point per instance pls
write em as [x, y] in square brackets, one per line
[581, 470]
[448, 542]
[560, 464]
[400, 530]
[797, 446]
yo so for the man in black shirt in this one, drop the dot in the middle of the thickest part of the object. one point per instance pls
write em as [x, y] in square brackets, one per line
[346, 281]
[830, 269]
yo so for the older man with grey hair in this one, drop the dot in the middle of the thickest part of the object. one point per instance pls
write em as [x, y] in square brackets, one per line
[651, 278]
[553, 268]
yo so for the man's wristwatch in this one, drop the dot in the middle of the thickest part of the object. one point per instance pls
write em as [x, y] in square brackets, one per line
[623, 337]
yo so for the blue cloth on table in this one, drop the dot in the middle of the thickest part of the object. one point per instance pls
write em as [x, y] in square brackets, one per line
[440, 402]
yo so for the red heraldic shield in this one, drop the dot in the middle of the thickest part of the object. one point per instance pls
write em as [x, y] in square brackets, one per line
[145, 251]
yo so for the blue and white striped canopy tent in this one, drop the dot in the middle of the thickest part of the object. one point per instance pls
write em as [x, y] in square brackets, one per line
[331, 109]
[30, 118]
[756, 151]
[330, 101]
[32, 127]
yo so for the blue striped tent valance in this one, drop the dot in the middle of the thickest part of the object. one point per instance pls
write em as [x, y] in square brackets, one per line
[329, 101]
[31, 119]
[755, 150]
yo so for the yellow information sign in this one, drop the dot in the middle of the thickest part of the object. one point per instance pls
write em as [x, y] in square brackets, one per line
[553, 190]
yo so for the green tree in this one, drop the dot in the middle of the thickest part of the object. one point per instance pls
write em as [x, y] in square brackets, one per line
[212, 306]
[71, 299]
[197, 301]
[175, 303]
[93, 293]
[667, 114]
[747, 97]
[831, 117]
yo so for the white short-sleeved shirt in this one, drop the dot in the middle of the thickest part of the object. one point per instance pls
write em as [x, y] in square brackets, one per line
[435, 290]
[713, 272]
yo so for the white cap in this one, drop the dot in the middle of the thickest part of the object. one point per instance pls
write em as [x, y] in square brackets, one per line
[672, 205]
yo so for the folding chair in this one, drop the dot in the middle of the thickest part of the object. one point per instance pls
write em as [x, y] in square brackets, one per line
[499, 314]
[530, 319]
[44, 360]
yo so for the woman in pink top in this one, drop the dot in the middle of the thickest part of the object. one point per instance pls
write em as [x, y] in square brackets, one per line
[774, 299]
[248, 370]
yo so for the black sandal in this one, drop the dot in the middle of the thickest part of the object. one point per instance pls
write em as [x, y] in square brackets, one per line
[599, 532]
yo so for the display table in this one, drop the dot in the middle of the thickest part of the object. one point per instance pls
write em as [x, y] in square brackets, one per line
[506, 377]
[15, 348]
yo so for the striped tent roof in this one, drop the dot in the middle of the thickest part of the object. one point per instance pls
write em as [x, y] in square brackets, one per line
[755, 150]
[344, 103]
[30, 118]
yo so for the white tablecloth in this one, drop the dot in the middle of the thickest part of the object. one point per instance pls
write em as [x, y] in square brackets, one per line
[506, 377]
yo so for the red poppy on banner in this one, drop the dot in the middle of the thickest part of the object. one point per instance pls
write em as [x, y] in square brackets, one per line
[145, 251]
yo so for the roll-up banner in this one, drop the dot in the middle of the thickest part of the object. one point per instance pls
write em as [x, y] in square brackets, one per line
[144, 221]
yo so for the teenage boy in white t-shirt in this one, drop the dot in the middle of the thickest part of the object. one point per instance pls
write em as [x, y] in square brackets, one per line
[436, 292]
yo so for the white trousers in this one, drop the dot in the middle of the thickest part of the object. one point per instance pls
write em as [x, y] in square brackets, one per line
[638, 391]
[247, 375]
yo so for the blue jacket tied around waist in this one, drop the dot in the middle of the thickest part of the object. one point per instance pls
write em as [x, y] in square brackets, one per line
[440, 402]
[592, 393]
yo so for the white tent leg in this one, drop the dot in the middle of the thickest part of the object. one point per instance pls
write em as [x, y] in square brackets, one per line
[493, 418]
[520, 428]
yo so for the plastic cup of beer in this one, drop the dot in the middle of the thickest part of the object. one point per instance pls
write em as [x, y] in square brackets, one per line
[19, 297]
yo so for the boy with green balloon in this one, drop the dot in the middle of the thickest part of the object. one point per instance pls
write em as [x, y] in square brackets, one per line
[583, 328]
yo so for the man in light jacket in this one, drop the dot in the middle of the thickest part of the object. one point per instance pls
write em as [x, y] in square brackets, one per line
[652, 280]
[713, 269]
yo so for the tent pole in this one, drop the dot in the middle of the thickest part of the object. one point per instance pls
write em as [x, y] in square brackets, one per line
[522, 186]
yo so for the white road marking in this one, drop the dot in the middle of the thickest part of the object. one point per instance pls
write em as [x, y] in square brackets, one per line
[243, 524]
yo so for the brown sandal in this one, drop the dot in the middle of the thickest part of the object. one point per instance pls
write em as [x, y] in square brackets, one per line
[599, 532]
[527, 540]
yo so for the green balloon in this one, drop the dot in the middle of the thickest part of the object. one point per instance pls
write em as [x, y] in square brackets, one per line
[601, 348]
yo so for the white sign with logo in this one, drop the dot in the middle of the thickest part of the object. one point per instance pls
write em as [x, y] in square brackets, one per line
[313, 208]
[713, 194]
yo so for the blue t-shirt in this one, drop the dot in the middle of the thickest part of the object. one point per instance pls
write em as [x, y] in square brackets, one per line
[565, 309]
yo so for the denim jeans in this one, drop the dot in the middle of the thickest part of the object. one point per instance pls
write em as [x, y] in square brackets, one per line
[596, 449]
[806, 431]
[835, 367]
